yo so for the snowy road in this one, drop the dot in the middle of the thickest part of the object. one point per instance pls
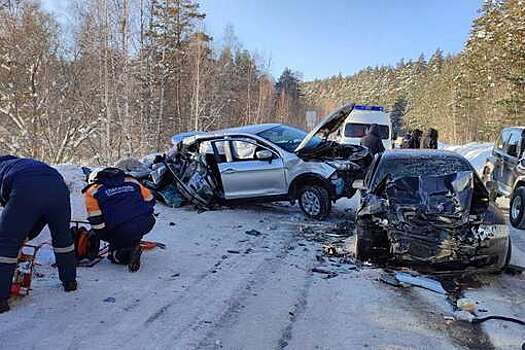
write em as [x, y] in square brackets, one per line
[217, 287]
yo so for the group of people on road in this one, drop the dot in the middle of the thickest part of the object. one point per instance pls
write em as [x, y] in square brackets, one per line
[33, 194]
[413, 139]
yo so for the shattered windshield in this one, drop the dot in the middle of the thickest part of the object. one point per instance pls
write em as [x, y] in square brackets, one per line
[418, 166]
[288, 138]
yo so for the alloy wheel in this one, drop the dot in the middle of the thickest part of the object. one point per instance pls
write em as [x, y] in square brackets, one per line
[516, 207]
[311, 203]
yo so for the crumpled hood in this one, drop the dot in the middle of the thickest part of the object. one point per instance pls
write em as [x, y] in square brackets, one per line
[327, 126]
[447, 195]
[430, 218]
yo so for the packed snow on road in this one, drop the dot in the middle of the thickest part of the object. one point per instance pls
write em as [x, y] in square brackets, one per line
[258, 277]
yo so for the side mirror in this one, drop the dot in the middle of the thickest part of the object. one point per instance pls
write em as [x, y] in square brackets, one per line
[264, 155]
[359, 184]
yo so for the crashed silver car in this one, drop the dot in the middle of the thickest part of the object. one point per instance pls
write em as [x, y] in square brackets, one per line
[429, 210]
[270, 162]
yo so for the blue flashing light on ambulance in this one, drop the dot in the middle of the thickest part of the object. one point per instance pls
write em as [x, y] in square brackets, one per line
[359, 121]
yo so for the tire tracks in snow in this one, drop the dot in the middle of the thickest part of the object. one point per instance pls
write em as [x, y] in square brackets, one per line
[183, 320]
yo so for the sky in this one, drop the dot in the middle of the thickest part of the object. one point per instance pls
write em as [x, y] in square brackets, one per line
[321, 38]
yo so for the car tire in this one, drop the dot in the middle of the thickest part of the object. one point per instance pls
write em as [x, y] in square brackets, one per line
[315, 202]
[363, 248]
[517, 208]
[371, 243]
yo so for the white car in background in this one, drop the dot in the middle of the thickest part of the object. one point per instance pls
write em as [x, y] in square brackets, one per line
[358, 122]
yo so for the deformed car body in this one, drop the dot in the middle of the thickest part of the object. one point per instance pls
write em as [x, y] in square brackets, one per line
[271, 162]
[429, 210]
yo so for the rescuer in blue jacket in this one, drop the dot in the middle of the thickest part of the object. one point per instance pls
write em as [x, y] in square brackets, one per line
[33, 195]
[120, 211]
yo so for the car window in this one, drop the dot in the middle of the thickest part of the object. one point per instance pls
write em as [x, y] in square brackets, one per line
[205, 148]
[513, 145]
[288, 138]
[221, 147]
[502, 139]
[360, 130]
[243, 150]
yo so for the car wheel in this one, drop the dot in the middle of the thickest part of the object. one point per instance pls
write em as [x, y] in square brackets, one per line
[363, 248]
[315, 202]
[371, 243]
[517, 208]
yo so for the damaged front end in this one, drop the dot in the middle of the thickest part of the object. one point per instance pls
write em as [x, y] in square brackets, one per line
[442, 223]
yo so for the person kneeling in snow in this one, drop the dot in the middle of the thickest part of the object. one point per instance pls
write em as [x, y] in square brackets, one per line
[33, 195]
[120, 211]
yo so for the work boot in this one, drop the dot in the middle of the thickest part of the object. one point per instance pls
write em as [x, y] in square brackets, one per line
[4, 306]
[70, 286]
[134, 259]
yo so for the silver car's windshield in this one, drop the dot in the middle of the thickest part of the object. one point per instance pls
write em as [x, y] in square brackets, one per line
[288, 138]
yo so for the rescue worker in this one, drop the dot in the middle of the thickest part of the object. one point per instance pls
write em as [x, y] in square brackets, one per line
[120, 211]
[430, 140]
[373, 140]
[33, 195]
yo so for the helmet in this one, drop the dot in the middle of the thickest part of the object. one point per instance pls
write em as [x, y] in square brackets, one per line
[100, 173]
[91, 178]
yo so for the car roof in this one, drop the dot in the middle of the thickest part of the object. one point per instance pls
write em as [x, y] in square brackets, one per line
[238, 131]
[248, 129]
[514, 128]
[420, 153]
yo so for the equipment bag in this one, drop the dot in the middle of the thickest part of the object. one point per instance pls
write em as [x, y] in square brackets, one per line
[87, 244]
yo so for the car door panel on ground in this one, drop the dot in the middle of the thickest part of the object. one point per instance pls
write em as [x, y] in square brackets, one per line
[245, 176]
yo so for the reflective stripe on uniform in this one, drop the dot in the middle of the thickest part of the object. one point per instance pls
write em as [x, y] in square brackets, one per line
[93, 189]
[130, 179]
[95, 213]
[69, 249]
[99, 226]
[8, 260]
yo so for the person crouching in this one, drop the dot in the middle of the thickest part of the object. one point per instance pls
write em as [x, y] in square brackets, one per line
[120, 211]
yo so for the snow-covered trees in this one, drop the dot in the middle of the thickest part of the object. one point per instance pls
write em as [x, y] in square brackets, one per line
[119, 79]
[469, 96]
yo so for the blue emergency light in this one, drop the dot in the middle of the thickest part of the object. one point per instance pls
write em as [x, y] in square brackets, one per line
[369, 108]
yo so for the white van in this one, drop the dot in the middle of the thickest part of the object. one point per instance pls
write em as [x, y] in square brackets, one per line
[356, 125]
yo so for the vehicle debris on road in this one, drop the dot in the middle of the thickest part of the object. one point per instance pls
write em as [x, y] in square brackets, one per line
[404, 279]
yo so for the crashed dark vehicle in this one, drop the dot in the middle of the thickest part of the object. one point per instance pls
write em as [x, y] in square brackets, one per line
[429, 210]
[268, 163]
